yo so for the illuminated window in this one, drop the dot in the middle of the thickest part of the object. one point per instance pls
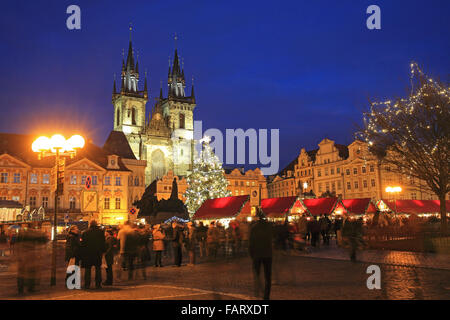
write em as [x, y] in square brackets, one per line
[106, 203]
[319, 173]
[363, 169]
[372, 182]
[45, 202]
[73, 179]
[46, 178]
[117, 203]
[72, 203]
[94, 180]
[16, 178]
[355, 170]
[349, 186]
[33, 178]
[33, 201]
[356, 184]
[372, 169]
[83, 180]
[365, 183]
[347, 172]
[118, 182]
[107, 181]
[4, 177]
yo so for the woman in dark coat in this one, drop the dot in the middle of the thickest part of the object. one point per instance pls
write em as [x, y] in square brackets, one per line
[73, 245]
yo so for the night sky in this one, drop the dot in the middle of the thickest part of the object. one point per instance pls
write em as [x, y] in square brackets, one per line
[308, 68]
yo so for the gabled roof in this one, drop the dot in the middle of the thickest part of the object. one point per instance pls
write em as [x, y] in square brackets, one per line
[219, 208]
[277, 207]
[320, 206]
[357, 206]
[118, 144]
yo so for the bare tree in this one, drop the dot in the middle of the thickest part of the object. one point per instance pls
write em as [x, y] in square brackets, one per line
[413, 134]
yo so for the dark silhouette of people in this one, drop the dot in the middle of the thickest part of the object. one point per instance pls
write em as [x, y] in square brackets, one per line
[93, 244]
[260, 249]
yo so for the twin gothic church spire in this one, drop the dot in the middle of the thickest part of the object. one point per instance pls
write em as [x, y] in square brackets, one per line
[130, 77]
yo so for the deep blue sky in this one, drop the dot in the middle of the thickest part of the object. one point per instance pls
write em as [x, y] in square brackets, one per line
[305, 67]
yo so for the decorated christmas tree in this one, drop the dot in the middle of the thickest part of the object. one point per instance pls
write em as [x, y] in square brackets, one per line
[207, 180]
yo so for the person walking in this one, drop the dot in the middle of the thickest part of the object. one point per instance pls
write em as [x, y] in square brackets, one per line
[201, 238]
[143, 250]
[110, 252]
[158, 244]
[191, 242]
[177, 242]
[212, 240]
[72, 248]
[315, 231]
[260, 250]
[93, 244]
[29, 242]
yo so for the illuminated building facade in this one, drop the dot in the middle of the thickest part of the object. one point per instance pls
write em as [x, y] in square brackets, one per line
[117, 179]
[165, 140]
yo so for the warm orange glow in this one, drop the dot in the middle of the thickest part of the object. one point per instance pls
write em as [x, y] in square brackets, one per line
[41, 144]
[393, 189]
[74, 142]
[57, 142]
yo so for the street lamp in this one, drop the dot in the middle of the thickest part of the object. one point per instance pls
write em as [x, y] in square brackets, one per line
[59, 147]
[394, 190]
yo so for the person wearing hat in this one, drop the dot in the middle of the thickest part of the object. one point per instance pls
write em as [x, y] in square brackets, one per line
[158, 244]
[260, 249]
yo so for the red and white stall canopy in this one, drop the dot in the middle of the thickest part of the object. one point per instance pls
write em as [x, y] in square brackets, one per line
[221, 208]
[412, 206]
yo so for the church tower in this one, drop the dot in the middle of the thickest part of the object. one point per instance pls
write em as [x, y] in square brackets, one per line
[129, 103]
[178, 108]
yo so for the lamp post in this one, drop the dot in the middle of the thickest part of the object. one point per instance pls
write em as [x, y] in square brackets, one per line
[305, 186]
[394, 190]
[59, 147]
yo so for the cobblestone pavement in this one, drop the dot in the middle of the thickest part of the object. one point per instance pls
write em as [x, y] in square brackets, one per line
[294, 277]
[391, 257]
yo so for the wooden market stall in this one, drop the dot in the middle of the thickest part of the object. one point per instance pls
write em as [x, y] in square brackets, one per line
[222, 210]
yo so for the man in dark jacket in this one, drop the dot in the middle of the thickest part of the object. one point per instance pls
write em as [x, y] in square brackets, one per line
[260, 249]
[177, 241]
[93, 244]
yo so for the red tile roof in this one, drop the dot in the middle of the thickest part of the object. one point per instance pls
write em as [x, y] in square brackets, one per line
[220, 208]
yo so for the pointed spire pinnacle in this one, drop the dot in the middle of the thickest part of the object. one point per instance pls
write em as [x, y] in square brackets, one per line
[130, 57]
[160, 91]
[145, 84]
[137, 62]
[192, 91]
[175, 40]
[114, 85]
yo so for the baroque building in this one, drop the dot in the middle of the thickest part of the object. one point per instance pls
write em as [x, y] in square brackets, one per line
[117, 179]
[348, 172]
[164, 139]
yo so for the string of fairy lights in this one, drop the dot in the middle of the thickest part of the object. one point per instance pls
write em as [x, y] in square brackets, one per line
[390, 121]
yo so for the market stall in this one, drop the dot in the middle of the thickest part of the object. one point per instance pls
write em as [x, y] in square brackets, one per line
[320, 206]
[222, 210]
[355, 207]
[422, 208]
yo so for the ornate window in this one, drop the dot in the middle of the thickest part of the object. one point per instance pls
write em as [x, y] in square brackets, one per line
[182, 121]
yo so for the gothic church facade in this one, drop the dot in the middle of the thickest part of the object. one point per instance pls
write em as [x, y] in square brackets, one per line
[165, 138]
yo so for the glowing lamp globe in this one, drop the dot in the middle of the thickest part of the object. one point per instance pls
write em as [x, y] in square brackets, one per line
[74, 142]
[41, 144]
[57, 142]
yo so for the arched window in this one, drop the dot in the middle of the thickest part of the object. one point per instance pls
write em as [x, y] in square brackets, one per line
[133, 116]
[118, 118]
[158, 165]
[182, 121]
